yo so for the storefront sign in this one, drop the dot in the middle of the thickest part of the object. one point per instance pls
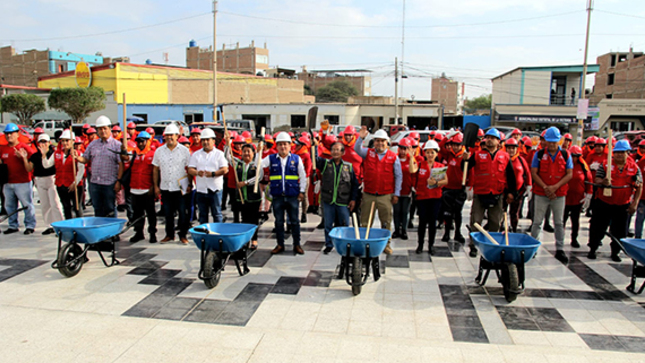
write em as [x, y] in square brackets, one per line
[83, 75]
[538, 119]
[594, 114]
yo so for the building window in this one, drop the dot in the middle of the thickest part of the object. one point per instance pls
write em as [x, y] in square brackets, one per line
[61, 68]
[613, 60]
[609, 95]
[610, 79]
[622, 126]
[333, 119]
[264, 59]
[298, 121]
[144, 116]
[189, 118]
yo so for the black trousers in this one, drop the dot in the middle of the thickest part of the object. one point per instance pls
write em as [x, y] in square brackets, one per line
[428, 214]
[452, 206]
[251, 215]
[144, 203]
[174, 202]
[607, 215]
[573, 211]
[68, 201]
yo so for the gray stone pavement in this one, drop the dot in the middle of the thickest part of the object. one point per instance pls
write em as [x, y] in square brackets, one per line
[425, 308]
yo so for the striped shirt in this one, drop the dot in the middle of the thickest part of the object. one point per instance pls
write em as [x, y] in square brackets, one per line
[104, 158]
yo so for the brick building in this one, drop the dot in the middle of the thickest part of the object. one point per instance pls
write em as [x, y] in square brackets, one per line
[317, 79]
[23, 69]
[250, 60]
[621, 75]
[448, 93]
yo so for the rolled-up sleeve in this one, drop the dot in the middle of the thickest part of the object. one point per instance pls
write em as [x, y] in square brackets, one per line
[360, 150]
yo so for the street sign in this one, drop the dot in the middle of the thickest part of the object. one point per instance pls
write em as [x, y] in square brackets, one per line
[83, 75]
[583, 106]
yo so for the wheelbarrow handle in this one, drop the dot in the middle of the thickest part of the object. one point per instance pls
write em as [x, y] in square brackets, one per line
[11, 214]
[129, 225]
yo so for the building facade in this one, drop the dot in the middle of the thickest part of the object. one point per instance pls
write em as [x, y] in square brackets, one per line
[448, 93]
[620, 75]
[249, 60]
[317, 79]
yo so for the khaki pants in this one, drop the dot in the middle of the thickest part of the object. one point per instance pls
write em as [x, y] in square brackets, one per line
[50, 205]
[477, 215]
[383, 207]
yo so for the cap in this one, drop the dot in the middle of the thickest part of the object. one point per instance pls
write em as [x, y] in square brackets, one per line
[44, 137]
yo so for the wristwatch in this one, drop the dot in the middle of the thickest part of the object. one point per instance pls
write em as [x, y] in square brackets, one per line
[212, 174]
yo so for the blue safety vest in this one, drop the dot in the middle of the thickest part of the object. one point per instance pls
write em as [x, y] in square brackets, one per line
[289, 186]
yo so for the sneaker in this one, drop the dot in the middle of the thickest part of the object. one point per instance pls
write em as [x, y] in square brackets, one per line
[473, 252]
[137, 237]
[548, 228]
[10, 231]
[28, 231]
[48, 231]
[327, 250]
[561, 256]
[574, 243]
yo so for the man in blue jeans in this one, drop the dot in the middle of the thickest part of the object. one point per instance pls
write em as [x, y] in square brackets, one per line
[338, 190]
[103, 156]
[287, 183]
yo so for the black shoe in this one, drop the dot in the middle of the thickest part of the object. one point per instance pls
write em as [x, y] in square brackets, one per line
[404, 236]
[327, 250]
[28, 231]
[153, 238]
[615, 258]
[473, 252]
[137, 237]
[591, 255]
[303, 218]
[431, 250]
[48, 231]
[396, 234]
[459, 238]
[574, 243]
[419, 249]
[561, 256]
[310, 209]
[320, 225]
[630, 235]
[548, 228]
[446, 237]
[410, 225]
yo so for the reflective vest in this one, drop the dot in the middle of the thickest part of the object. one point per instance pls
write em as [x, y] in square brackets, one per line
[551, 171]
[336, 187]
[379, 174]
[247, 191]
[455, 172]
[421, 184]
[406, 183]
[577, 186]
[489, 173]
[64, 170]
[641, 165]
[521, 170]
[353, 158]
[141, 171]
[594, 160]
[621, 178]
[289, 187]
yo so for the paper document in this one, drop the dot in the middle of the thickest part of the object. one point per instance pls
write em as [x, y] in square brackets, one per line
[183, 184]
[438, 174]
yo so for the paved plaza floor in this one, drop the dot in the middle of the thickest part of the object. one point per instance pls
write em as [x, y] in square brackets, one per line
[153, 308]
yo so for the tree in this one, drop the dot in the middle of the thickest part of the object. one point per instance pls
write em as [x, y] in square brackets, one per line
[23, 105]
[481, 102]
[309, 91]
[337, 91]
[78, 103]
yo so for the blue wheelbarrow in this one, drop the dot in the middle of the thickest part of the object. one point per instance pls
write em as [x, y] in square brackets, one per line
[218, 243]
[357, 255]
[95, 233]
[506, 260]
[635, 249]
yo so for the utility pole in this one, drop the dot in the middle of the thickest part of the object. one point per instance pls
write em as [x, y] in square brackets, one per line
[396, 91]
[215, 60]
[583, 93]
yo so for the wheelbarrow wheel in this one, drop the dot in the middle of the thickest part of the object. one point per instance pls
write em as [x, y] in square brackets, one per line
[212, 269]
[357, 275]
[69, 253]
[511, 283]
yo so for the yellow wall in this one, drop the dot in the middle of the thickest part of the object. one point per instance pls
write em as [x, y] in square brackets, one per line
[141, 84]
[105, 79]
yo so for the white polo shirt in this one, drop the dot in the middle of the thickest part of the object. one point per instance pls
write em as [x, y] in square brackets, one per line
[208, 162]
[172, 166]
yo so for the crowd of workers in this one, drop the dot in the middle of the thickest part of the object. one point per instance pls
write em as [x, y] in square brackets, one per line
[291, 175]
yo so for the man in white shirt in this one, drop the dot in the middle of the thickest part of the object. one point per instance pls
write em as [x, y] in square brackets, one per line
[170, 162]
[287, 183]
[208, 165]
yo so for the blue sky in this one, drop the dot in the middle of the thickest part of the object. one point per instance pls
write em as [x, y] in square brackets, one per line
[470, 40]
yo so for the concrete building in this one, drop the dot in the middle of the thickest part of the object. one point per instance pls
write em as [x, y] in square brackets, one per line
[249, 60]
[25, 68]
[620, 75]
[320, 78]
[448, 93]
[535, 98]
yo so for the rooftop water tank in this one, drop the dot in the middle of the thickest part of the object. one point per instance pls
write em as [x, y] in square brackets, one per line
[148, 61]
[192, 43]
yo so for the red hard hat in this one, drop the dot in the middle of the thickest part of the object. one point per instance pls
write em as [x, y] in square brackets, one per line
[568, 137]
[516, 132]
[77, 140]
[196, 130]
[305, 141]
[116, 128]
[291, 134]
[526, 138]
[527, 141]
[502, 137]
[575, 150]
[439, 136]
[239, 139]
[183, 140]
[542, 134]
[457, 139]
[91, 130]
[86, 126]
[601, 141]
[511, 142]
[131, 125]
[591, 140]
[414, 142]
[38, 130]
[328, 140]
[415, 135]
[613, 141]
[150, 130]
[641, 143]
[306, 134]
[315, 134]
[275, 136]
[480, 133]
[350, 130]
[405, 142]
[268, 138]
[341, 134]
[233, 134]
[247, 135]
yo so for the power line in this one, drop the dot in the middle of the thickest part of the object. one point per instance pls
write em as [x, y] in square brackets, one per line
[419, 37]
[619, 14]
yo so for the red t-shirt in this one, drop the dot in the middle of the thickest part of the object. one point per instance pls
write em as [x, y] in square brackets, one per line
[17, 171]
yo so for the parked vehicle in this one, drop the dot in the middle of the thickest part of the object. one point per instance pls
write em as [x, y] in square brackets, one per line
[425, 135]
[183, 127]
[53, 128]
[244, 125]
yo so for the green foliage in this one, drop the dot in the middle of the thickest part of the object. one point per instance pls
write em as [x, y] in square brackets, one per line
[308, 91]
[23, 105]
[337, 91]
[481, 102]
[78, 103]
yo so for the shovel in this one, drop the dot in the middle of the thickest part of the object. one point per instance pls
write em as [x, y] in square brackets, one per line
[470, 140]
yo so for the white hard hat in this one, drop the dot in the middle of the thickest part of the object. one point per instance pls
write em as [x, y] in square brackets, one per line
[44, 137]
[207, 134]
[381, 134]
[171, 130]
[283, 137]
[431, 144]
[103, 121]
[67, 135]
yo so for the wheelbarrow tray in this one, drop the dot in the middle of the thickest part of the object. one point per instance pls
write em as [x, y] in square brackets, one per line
[341, 236]
[634, 248]
[89, 230]
[233, 236]
[517, 242]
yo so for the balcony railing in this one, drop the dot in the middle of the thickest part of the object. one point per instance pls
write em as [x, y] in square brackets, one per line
[563, 100]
